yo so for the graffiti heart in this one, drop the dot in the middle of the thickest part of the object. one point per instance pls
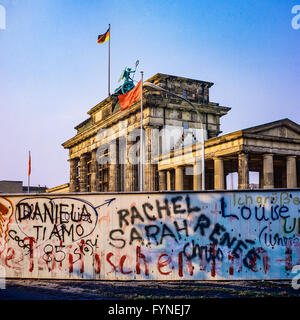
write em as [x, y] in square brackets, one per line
[64, 219]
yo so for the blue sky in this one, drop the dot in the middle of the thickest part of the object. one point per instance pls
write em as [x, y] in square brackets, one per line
[53, 71]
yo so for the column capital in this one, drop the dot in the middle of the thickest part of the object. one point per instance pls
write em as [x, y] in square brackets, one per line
[218, 158]
[75, 159]
[150, 126]
[243, 152]
[84, 155]
[265, 155]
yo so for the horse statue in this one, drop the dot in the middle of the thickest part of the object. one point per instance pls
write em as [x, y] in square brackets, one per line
[128, 80]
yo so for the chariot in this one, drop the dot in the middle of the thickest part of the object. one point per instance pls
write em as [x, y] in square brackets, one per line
[128, 81]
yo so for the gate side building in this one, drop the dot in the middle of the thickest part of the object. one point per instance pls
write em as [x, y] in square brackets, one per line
[271, 149]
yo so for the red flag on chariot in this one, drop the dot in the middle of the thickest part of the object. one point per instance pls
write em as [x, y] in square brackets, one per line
[127, 99]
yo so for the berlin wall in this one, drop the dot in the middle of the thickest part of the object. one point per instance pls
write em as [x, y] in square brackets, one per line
[155, 236]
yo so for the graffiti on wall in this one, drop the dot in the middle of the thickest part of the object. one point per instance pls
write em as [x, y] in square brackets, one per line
[232, 235]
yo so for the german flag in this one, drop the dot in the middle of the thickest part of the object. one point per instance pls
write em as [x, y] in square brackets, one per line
[103, 37]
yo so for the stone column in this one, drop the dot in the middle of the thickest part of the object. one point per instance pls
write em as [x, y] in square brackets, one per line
[261, 178]
[113, 178]
[73, 175]
[150, 168]
[197, 179]
[291, 172]
[162, 180]
[129, 167]
[219, 174]
[243, 171]
[179, 178]
[94, 172]
[113, 181]
[169, 183]
[83, 173]
[268, 171]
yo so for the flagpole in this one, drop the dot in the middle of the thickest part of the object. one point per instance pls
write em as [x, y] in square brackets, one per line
[109, 61]
[141, 139]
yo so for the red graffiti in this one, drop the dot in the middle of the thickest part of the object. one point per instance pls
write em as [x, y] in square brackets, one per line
[140, 256]
[213, 262]
[97, 260]
[122, 261]
[81, 264]
[253, 264]
[163, 263]
[9, 256]
[108, 256]
[31, 241]
[180, 265]
[231, 263]
[70, 263]
[51, 266]
[288, 257]
[266, 262]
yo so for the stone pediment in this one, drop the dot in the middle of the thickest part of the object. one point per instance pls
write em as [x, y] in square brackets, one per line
[282, 129]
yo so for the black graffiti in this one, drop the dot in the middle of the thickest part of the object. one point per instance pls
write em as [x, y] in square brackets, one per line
[218, 236]
[250, 259]
[203, 252]
[166, 208]
[58, 252]
[152, 233]
[178, 230]
[74, 232]
[23, 243]
[209, 252]
[54, 252]
[85, 248]
[258, 212]
[113, 235]
[271, 240]
[54, 213]
[63, 218]
[223, 207]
